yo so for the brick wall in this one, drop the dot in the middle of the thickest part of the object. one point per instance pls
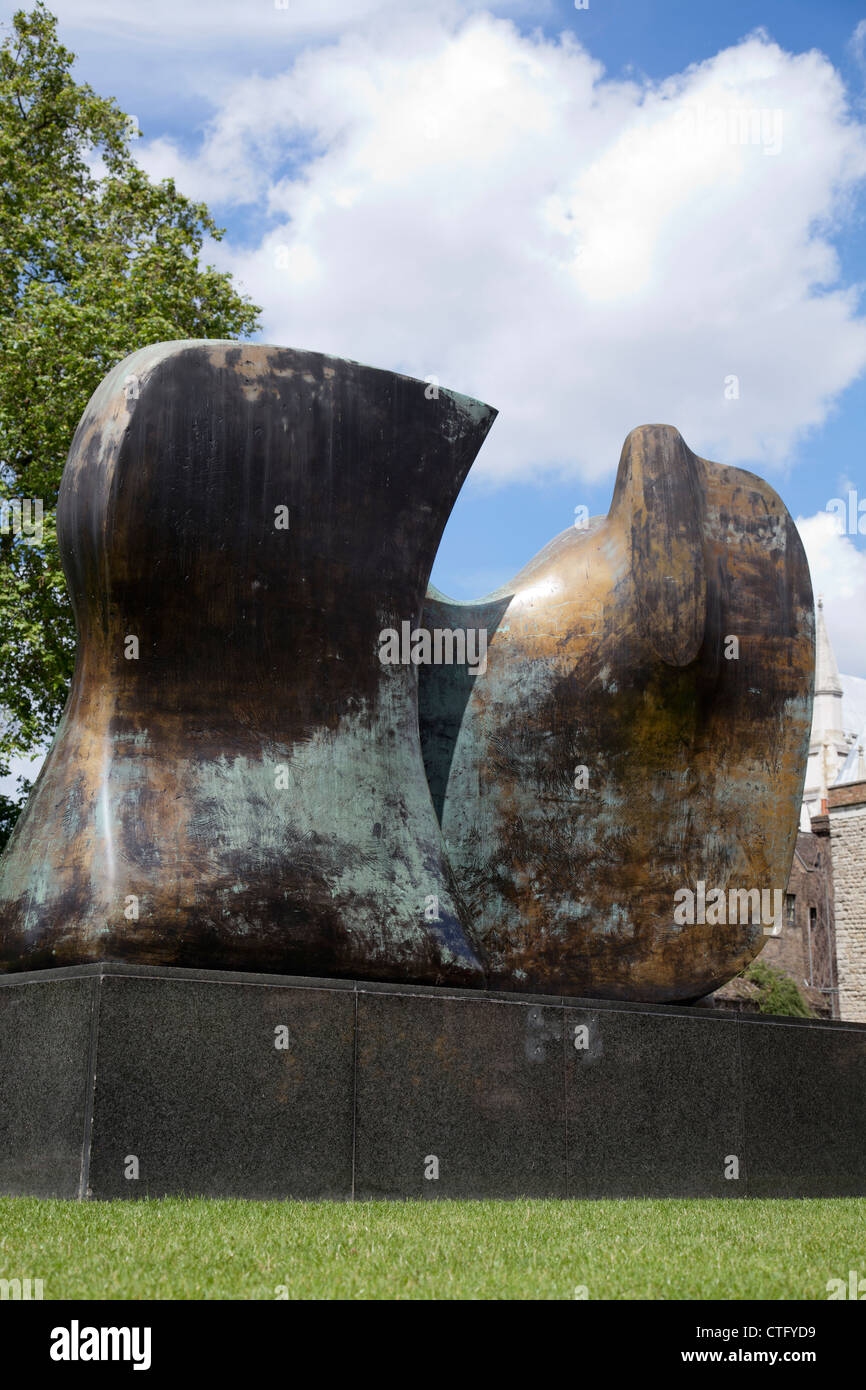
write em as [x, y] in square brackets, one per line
[847, 811]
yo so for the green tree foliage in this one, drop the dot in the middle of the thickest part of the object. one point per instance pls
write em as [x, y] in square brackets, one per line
[779, 993]
[95, 261]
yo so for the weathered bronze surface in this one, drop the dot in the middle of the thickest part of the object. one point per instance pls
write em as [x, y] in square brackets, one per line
[610, 652]
[248, 790]
[238, 778]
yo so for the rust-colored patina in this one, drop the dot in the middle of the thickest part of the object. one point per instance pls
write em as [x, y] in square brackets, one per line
[241, 780]
[642, 729]
[242, 786]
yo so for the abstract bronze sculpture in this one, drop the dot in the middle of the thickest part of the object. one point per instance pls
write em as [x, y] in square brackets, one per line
[238, 780]
[639, 737]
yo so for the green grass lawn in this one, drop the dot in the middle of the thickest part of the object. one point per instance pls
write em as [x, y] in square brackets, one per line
[198, 1248]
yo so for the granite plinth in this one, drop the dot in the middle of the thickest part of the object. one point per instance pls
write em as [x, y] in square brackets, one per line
[137, 1081]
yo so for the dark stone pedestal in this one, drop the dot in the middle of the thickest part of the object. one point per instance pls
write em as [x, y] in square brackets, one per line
[382, 1086]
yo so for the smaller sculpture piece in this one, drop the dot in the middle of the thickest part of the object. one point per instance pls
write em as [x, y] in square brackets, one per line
[634, 755]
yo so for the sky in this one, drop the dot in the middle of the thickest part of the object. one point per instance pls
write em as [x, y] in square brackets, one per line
[591, 218]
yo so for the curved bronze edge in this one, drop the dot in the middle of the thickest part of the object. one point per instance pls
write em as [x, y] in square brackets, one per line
[241, 786]
[616, 753]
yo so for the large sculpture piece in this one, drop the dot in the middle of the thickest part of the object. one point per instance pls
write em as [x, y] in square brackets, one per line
[239, 777]
[237, 780]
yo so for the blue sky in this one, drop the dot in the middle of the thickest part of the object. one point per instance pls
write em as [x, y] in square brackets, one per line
[589, 232]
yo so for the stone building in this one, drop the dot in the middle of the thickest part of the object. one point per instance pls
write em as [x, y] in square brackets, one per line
[822, 941]
[842, 793]
[805, 948]
[847, 816]
[838, 722]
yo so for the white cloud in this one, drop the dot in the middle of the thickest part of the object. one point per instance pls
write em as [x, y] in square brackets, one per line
[181, 57]
[585, 254]
[838, 574]
[214, 22]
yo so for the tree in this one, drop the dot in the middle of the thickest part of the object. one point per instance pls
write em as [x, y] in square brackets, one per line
[779, 993]
[95, 261]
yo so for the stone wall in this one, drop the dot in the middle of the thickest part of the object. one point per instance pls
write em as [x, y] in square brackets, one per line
[847, 811]
[805, 948]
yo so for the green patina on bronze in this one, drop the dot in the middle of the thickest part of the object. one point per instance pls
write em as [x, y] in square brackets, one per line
[252, 785]
[258, 790]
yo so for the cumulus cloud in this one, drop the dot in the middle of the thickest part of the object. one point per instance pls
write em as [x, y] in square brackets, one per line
[211, 23]
[454, 198]
[838, 574]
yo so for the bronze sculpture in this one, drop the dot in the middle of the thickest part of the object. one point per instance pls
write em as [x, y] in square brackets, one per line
[641, 730]
[237, 779]
[238, 782]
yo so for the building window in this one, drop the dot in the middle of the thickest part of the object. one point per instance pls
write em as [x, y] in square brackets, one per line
[791, 909]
